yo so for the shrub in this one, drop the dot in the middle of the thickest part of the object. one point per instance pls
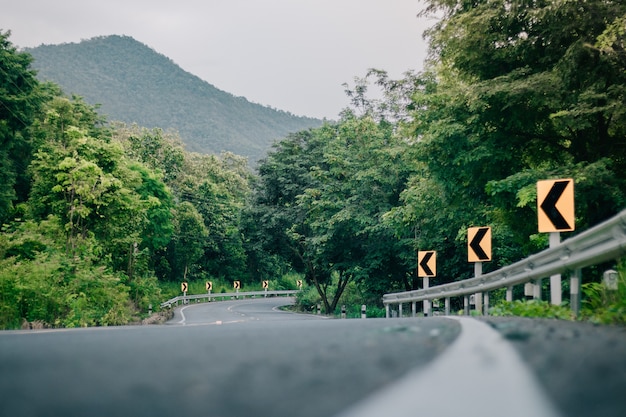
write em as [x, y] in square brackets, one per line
[601, 305]
[531, 308]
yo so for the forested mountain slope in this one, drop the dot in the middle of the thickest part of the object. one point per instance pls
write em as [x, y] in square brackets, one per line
[135, 84]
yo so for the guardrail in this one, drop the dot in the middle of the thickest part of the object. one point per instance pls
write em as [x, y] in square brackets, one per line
[208, 297]
[604, 242]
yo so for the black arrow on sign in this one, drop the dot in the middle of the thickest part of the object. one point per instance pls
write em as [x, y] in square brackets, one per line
[424, 263]
[549, 205]
[475, 244]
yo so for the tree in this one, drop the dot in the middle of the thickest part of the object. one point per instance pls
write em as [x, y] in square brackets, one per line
[321, 197]
[21, 98]
[528, 96]
[84, 178]
[537, 94]
[280, 221]
[188, 240]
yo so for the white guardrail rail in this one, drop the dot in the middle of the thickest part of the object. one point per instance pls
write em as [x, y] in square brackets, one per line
[602, 243]
[227, 295]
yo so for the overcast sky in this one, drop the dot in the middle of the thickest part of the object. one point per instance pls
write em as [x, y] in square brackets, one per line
[293, 55]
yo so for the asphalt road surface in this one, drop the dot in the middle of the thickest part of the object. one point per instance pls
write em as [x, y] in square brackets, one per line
[249, 358]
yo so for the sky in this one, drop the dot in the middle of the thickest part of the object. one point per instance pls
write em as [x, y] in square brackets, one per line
[292, 55]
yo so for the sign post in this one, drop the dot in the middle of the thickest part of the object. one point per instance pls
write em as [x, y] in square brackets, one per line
[184, 286]
[555, 214]
[426, 268]
[479, 251]
[266, 285]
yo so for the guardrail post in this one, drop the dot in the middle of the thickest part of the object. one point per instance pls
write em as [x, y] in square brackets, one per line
[414, 308]
[537, 289]
[486, 304]
[478, 302]
[386, 311]
[466, 305]
[400, 310]
[509, 293]
[555, 280]
[574, 289]
[447, 306]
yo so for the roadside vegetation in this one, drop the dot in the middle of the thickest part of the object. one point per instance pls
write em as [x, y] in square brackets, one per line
[102, 220]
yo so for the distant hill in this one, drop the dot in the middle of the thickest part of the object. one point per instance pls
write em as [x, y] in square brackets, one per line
[135, 84]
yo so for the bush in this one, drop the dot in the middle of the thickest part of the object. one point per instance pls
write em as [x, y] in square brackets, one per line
[531, 308]
[601, 305]
[307, 299]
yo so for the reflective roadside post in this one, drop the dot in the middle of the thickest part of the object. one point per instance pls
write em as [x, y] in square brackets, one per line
[479, 251]
[555, 214]
[426, 268]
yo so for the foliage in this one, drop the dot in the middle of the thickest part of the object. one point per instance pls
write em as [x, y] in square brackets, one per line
[21, 98]
[601, 305]
[130, 206]
[40, 284]
[320, 199]
[530, 96]
[531, 308]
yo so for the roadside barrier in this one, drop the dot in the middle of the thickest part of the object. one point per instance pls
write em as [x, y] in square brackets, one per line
[602, 243]
[184, 299]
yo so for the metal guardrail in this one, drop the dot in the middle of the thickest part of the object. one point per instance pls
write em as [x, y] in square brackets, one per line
[604, 242]
[208, 297]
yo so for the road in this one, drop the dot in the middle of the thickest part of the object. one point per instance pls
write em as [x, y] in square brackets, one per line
[238, 311]
[249, 358]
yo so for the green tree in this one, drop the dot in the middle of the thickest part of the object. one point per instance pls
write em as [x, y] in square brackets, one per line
[279, 221]
[515, 92]
[21, 98]
[84, 178]
[321, 198]
[218, 188]
[160, 151]
[188, 241]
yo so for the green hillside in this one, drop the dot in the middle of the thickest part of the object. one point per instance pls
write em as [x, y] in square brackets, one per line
[135, 84]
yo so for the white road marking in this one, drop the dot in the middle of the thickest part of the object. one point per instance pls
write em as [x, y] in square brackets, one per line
[182, 314]
[480, 375]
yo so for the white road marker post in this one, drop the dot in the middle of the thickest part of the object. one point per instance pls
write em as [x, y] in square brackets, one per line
[574, 291]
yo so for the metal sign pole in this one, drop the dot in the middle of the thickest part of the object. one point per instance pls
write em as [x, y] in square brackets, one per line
[555, 280]
[478, 298]
[426, 302]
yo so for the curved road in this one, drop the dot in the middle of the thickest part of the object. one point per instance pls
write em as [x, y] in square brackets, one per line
[238, 311]
[248, 358]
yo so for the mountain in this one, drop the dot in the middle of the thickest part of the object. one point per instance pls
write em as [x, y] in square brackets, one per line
[135, 84]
